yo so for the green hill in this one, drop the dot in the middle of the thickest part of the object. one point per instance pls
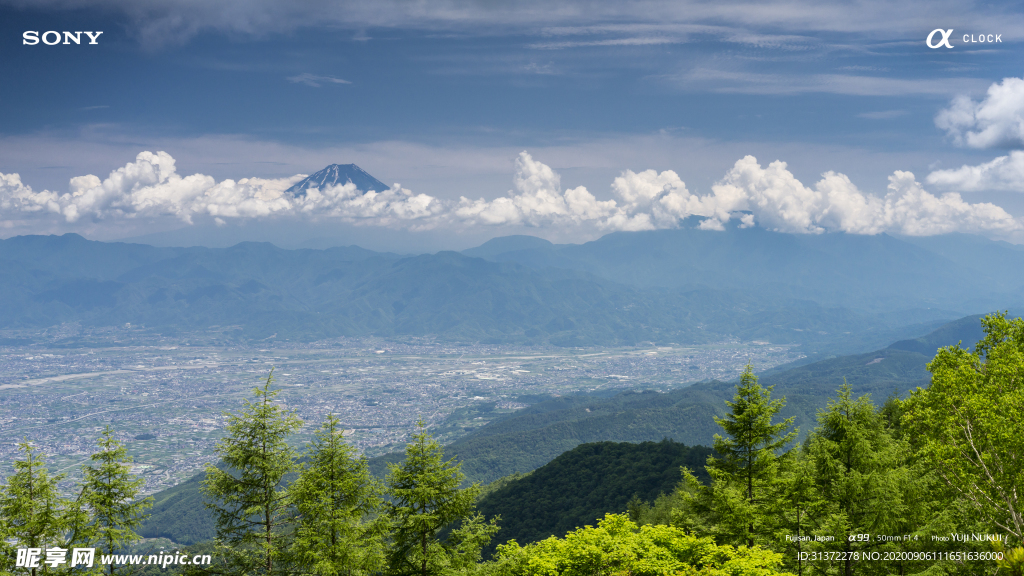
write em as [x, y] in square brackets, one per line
[178, 514]
[581, 485]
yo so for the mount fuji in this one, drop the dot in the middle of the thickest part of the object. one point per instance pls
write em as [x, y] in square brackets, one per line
[339, 175]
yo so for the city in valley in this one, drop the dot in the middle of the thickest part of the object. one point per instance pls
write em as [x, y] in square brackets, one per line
[166, 397]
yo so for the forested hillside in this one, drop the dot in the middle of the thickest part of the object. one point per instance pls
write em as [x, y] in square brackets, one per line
[580, 486]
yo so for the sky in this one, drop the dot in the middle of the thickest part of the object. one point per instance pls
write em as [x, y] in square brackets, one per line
[187, 120]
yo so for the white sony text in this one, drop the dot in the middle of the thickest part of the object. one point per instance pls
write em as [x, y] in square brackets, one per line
[53, 37]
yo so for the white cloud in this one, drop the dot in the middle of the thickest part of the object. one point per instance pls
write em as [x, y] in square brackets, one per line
[538, 200]
[997, 121]
[1002, 173]
[757, 82]
[18, 197]
[639, 41]
[314, 80]
[780, 202]
[393, 207]
[151, 187]
[770, 196]
[915, 212]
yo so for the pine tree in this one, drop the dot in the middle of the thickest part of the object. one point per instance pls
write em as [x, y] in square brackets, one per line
[110, 491]
[859, 472]
[746, 475]
[798, 503]
[35, 514]
[425, 500]
[248, 495]
[338, 530]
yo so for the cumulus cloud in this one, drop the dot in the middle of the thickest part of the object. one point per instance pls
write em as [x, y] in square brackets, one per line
[777, 200]
[151, 187]
[1002, 173]
[997, 121]
[769, 196]
[537, 200]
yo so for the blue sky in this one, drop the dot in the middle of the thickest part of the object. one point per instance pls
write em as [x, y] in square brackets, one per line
[443, 97]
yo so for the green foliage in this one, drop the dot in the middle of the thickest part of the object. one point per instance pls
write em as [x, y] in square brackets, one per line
[583, 484]
[248, 495]
[426, 499]
[333, 496]
[745, 478]
[179, 514]
[860, 473]
[867, 480]
[619, 546]
[110, 491]
[35, 515]
[488, 489]
[968, 422]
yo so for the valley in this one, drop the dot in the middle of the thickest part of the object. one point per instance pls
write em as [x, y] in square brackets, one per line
[166, 396]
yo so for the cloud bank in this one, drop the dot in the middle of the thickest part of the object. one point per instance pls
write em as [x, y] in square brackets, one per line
[1004, 173]
[997, 121]
[770, 196]
[151, 187]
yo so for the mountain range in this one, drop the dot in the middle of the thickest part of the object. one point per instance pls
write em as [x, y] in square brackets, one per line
[836, 292]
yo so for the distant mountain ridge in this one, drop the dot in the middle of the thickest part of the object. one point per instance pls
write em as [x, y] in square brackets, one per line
[261, 290]
[953, 271]
[339, 175]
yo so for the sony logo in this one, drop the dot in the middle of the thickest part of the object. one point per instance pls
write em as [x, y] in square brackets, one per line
[52, 37]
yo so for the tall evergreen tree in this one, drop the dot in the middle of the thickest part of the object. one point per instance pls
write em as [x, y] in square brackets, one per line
[7, 552]
[247, 494]
[750, 460]
[338, 529]
[425, 500]
[110, 491]
[860, 473]
[35, 514]
[797, 505]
